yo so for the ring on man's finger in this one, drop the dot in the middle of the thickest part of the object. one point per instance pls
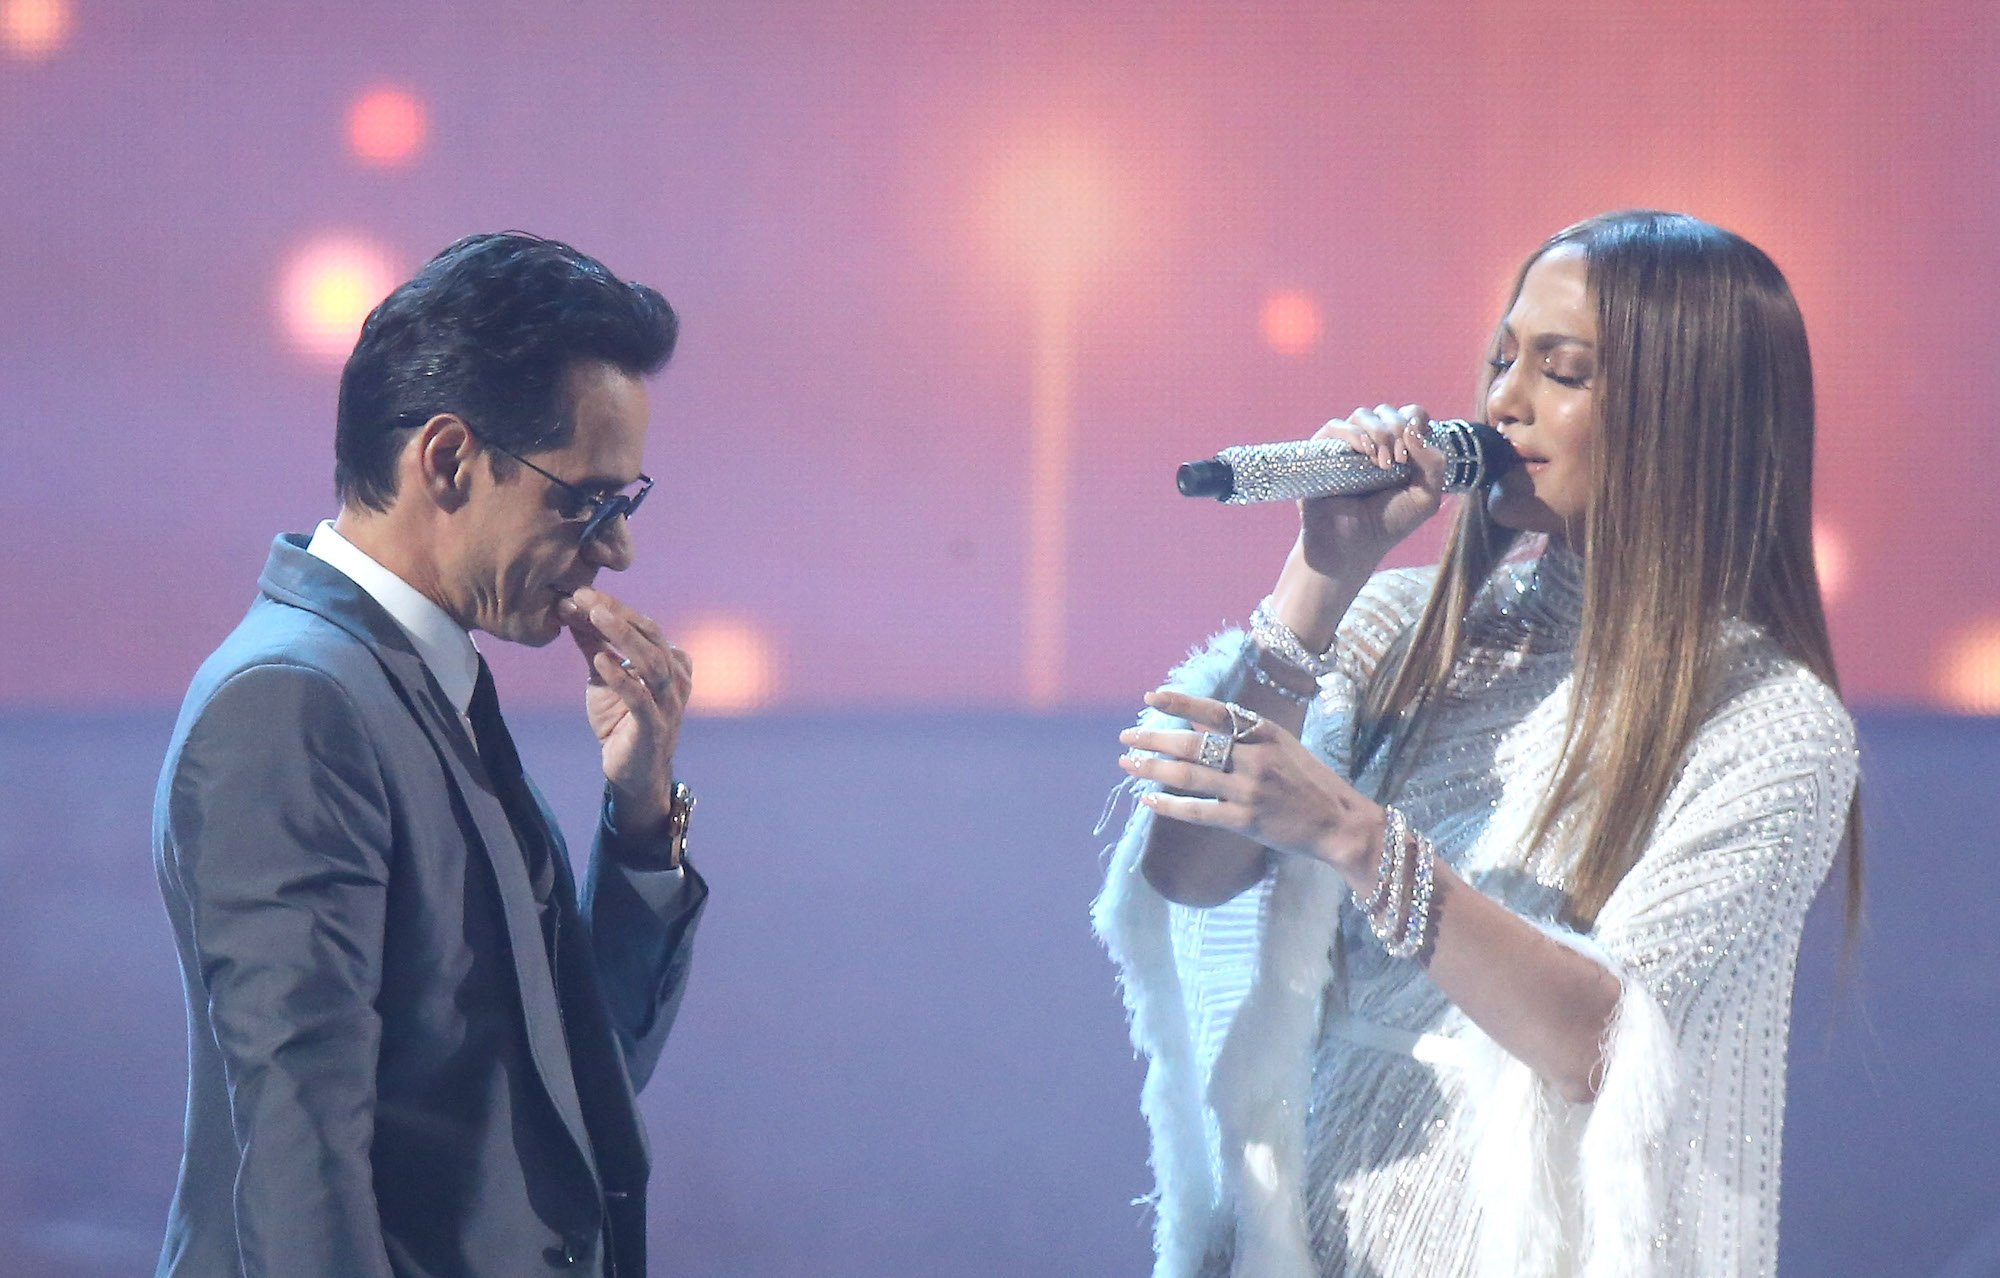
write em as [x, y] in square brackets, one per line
[1215, 749]
[631, 667]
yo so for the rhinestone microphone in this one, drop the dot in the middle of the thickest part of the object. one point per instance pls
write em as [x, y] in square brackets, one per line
[1475, 455]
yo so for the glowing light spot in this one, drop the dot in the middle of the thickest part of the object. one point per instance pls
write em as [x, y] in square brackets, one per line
[327, 289]
[735, 666]
[387, 127]
[1052, 208]
[1969, 673]
[1053, 218]
[1831, 560]
[34, 30]
[1290, 322]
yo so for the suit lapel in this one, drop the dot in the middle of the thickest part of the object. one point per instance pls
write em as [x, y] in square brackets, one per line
[321, 589]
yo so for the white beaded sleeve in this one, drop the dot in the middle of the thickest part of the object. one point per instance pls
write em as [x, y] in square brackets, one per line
[1677, 1160]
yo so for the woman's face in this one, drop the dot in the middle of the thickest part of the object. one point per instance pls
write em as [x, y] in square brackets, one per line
[1541, 398]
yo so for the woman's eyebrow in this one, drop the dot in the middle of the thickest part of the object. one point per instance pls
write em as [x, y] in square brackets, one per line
[1549, 341]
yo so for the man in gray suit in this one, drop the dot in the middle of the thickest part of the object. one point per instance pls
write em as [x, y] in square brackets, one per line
[413, 1041]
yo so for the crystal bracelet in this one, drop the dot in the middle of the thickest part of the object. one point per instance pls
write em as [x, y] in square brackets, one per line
[1264, 679]
[1388, 923]
[1417, 925]
[1394, 831]
[1282, 642]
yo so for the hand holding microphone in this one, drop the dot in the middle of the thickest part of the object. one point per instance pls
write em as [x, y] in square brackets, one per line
[1327, 466]
[1364, 482]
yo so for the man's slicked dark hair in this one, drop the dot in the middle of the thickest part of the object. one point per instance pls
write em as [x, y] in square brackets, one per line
[488, 330]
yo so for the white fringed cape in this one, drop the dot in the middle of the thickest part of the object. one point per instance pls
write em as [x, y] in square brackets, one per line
[1671, 1171]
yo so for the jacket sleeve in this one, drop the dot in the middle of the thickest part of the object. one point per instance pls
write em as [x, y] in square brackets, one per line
[642, 924]
[280, 830]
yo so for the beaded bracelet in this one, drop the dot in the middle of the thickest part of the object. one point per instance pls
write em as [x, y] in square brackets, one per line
[1264, 680]
[1282, 642]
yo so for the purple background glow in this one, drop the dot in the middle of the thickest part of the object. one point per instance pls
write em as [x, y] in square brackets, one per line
[901, 1053]
[842, 437]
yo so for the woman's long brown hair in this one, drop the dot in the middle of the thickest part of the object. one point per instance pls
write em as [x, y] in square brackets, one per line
[1701, 511]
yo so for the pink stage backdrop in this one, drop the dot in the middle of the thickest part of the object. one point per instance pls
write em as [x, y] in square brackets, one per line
[961, 285]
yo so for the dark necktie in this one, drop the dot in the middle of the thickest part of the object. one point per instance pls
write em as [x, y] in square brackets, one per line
[510, 783]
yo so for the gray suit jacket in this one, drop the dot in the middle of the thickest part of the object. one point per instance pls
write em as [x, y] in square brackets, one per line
[387, 1073]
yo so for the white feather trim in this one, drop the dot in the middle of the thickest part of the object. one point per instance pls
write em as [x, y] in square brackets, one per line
[1264, 1074]
[1572, 1189]
[1131, 920]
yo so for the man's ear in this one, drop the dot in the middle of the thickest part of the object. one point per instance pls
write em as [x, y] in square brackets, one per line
[440, 460]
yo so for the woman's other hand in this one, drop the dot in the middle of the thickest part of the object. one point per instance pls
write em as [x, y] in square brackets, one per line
[1269, 788]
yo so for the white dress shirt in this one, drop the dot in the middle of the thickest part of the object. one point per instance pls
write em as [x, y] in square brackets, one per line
[445, 646]
[447, 650]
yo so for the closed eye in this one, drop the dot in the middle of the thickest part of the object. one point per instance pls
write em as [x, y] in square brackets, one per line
[1500, 364]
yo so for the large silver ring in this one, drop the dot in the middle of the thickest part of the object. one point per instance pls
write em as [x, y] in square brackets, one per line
[1215, 750]
[1242, 722]
[628, 666]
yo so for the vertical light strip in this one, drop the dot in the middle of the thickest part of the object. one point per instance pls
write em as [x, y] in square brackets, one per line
[1049, 458]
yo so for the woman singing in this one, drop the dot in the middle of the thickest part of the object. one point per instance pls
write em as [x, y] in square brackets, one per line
[1459, 915]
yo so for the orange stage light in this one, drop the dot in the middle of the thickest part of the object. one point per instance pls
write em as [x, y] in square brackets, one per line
[386, 127]
[1048, 218]
[1969, 673]
[1290, 322]
[735, 665]
[1830, 558]
[34, 30]
[1053, 217]
[1052, 209]
[327, 289]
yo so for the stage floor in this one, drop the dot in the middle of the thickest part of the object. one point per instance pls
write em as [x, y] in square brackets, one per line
[902, 1052]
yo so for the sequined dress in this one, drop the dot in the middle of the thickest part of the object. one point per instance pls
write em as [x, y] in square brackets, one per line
[1319, 1109]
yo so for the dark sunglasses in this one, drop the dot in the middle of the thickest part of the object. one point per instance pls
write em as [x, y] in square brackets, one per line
[595, 511]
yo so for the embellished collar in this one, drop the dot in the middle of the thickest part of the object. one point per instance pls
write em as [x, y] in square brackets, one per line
[1537, 603]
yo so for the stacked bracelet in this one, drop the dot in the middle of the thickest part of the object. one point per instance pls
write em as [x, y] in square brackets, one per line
[1282, 642]
[1399, 911]
[1417, 924]
[1265, 680]
[1395, 831]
